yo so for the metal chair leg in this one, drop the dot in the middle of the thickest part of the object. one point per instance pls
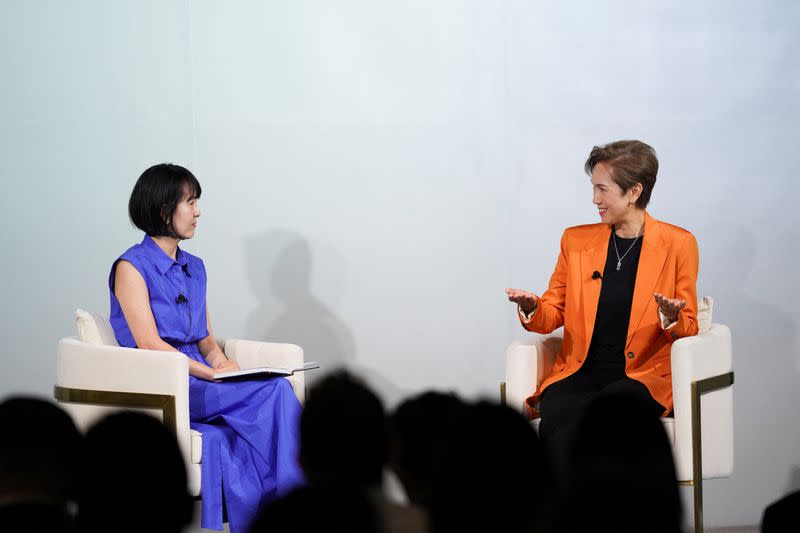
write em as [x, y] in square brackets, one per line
[699, 388]
[697, 460]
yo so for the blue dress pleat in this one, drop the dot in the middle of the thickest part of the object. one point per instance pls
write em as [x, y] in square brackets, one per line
[253, 446]
[211, 475]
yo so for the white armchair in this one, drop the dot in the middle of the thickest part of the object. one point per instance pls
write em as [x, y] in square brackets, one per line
[96, 376]
[701, 430]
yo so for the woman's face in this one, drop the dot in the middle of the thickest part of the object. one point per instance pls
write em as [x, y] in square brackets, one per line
[613, 204]
[184, 218]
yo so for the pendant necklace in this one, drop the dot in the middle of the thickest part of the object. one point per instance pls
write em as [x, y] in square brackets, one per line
[619, 259]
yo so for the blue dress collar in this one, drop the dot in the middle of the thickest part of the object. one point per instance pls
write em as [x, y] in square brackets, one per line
[160, 259]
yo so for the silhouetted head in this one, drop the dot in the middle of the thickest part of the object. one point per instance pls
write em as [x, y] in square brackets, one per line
[509, 477]
[473, 467]
[343, 433]
[621, 469]
[39, 452]
[783, 515]
[133, 475]
[427, 433]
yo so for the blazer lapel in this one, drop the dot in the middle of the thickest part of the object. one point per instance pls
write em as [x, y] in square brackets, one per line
[593, 258]
[651, 263]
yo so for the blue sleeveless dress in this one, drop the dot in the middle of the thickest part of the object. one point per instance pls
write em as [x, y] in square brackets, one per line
[250, 428]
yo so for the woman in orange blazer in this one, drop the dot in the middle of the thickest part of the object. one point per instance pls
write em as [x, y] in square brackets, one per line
[623, 289]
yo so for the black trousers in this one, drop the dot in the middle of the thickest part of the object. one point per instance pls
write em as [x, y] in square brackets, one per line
[563, 402]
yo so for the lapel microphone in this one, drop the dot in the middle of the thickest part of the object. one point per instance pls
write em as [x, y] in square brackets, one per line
[595, 275]
[181, 299]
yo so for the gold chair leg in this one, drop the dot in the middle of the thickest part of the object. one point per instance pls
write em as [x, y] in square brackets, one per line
[502, 393]
[697, 460]
[698, 506]
[699, 388]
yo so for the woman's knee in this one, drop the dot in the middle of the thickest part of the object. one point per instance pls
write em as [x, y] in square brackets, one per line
[284, 387]
[636, 390]
[627, 386]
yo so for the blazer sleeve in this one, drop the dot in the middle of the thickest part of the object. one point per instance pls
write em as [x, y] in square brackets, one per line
[688, 261]
[549, 314]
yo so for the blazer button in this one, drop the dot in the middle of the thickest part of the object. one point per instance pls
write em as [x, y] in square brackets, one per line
[631, 355]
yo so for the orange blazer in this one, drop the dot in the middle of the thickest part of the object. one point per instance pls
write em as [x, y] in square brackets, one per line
[668, 264]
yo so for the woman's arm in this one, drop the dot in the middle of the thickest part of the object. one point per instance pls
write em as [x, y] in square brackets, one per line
[131, 291]
[548, 314]
[681, 311]
[212, 352]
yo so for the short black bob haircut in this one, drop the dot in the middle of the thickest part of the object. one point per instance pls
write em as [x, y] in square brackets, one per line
[156, 194]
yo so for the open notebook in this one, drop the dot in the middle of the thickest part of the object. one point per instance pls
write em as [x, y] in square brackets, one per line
[266, 371]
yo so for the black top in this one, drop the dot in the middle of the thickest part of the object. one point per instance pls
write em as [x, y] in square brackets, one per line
[606, 355]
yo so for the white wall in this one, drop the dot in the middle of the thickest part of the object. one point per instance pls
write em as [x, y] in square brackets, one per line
[375, 173]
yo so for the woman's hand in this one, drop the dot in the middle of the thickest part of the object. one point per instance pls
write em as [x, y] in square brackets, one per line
[526, 300]
[669, 307]
[225, 365]
[220, 365]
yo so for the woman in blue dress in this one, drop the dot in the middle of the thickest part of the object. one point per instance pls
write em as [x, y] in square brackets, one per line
[158, 302]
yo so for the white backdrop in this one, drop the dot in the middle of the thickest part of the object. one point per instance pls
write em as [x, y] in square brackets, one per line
[375, 173]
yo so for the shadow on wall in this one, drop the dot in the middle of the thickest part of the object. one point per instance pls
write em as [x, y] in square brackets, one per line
[764, 344]
[279, 265]
[279, 269]
[764, 340]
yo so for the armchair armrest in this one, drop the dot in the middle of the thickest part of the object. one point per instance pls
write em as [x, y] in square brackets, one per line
[702, 356]
[253, 354]
[528, 361]
[695, 360]
[93, 379]
[113, 368]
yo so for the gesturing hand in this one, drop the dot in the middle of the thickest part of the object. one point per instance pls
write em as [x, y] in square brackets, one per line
[670, 307]
[526, 300]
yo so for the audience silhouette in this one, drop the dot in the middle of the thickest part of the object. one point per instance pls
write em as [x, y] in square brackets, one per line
[474, 467]
[343, 452]
[511, 471]
[133, 478]
[39, 454]
[465, 467]
[427, 436]
[621, 471]
[782, 516]
[343, 434]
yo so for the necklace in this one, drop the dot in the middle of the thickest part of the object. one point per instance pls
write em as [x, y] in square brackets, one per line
[619, 259]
